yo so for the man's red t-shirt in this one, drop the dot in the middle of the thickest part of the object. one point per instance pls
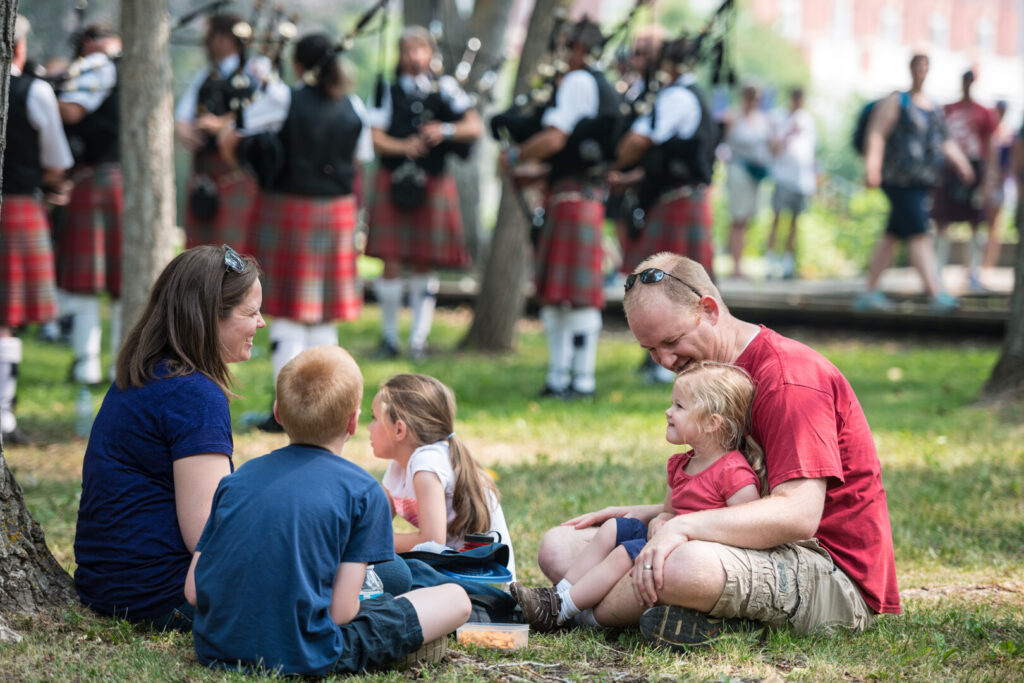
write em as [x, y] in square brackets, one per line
[971, 126]
[811, 426]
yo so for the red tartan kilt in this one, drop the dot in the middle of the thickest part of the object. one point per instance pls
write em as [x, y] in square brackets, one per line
[27, 290]
[89, 246]
[570, 251]
[681, 226]
[306, 248]
[429, 236]
[236, 192]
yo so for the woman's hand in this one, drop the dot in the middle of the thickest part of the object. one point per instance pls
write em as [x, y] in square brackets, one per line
[649, 569]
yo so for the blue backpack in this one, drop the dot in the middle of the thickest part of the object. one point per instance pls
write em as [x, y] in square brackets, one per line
[860, 128]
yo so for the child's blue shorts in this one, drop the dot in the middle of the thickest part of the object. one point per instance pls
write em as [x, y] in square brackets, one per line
[631, 534]
[385, 629]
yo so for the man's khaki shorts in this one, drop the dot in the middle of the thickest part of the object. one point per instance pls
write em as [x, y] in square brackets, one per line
[796, 583]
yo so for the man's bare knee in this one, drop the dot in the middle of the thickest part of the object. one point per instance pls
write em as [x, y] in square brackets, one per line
[559, 547]
[694, 577]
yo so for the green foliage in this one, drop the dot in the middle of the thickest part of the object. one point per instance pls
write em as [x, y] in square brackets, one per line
[951, 469]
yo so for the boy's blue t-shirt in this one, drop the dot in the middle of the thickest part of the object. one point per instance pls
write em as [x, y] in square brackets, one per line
[279, 529]
[131, 557]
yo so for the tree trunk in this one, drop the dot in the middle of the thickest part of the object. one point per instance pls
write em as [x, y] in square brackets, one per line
[147, 144]
[1007, 379]
[500, 301]
[30, 578]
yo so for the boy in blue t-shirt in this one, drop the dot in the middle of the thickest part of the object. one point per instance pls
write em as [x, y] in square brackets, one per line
[277, 572]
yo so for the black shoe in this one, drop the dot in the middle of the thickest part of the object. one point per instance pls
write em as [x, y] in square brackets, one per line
[550, 392]
[16, 437]
[417, 353]
[577, 395]
[386, 351]
[270, 425]
[681, 628]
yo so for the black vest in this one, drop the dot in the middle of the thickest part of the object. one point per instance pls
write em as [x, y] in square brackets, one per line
[678, 162]
[219, 95]
[23, 172]
[318, 141]
[96, 138]
[408, 113]
[593, 140]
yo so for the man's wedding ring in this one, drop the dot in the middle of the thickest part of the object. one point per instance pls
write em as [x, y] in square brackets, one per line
[648, 567]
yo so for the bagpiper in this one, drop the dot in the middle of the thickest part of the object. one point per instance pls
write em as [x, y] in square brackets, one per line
[88, 248]
[219, 194]
[414, 219]
[36, 153]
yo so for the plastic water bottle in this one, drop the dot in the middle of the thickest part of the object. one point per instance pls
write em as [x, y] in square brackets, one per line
[83, 412]
[372, 585]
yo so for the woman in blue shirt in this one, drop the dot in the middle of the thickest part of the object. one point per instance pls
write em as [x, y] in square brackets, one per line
[162, 439]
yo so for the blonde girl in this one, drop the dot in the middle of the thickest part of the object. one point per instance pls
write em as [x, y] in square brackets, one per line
[710, 412]
[432, 481]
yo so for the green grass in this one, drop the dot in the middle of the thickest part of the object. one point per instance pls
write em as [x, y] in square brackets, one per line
[952, 471]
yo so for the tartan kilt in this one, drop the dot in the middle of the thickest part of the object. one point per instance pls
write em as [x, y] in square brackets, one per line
[27, 290]
[570, 250]
[89, 246]
[679, 224]
[306, 249]
[430, 235]
[236, 192]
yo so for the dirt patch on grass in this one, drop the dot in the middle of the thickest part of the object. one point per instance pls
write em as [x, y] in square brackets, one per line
[1010, 592]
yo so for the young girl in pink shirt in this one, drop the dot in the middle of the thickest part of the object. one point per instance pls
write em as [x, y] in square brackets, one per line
[710, 412]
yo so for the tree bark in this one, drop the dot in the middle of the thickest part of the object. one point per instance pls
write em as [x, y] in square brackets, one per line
[147, 151]
[502, 296]
[1007, 379]
[30, 578]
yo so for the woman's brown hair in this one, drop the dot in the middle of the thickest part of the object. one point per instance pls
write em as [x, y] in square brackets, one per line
[726, 390]
[427, 407]
[179, 325]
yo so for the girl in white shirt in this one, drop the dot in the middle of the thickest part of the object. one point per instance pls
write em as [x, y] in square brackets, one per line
[432, 482]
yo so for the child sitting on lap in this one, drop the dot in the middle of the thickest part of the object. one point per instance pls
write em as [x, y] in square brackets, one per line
[277, 572]
[710, 412]
[433, 481]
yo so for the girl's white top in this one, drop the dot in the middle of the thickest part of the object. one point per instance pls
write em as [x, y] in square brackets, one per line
[436, 458]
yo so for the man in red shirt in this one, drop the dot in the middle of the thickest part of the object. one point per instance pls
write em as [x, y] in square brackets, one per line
[816, 552]
[971, 126]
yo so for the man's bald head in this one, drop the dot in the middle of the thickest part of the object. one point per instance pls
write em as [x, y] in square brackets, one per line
[689, 282]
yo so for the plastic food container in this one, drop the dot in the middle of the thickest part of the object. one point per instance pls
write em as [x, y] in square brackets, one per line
[497, 636]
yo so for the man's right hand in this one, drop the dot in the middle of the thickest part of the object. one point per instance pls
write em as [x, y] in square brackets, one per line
[189, 136]
[414, 147]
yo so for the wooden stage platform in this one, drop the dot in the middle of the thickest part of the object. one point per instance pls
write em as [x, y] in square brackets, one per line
[829, 303]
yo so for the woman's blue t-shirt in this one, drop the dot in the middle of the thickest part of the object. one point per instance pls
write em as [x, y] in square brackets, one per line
[132, 560]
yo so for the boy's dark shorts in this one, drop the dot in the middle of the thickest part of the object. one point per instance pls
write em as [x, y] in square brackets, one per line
[631, 534]
[385, 629]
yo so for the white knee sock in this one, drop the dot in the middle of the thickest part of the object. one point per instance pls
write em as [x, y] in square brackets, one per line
[86, 337]
[585, 324]
[389, 294]
[287, 340]
[10, 357]
[423, 301]
[324, 334]
[568, 609]
[559, 346]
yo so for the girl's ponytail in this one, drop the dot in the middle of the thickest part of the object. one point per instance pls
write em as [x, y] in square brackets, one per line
[754, 455]
[471, 491]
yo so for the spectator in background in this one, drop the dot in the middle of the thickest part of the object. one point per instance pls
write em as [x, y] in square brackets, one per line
[957, 200]
[747, 134]
[793, 141]
[905, 149]
[1002, 185]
